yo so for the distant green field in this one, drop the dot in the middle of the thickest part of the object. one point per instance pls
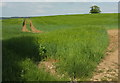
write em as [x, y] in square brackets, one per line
[78, 42]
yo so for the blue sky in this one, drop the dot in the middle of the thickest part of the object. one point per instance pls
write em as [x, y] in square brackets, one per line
[54, 8]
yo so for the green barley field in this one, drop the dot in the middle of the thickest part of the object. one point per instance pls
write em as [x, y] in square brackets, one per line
[76, 42]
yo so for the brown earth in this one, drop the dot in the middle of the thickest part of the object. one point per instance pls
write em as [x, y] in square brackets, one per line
[107, 70]
[48, 65]
[33, 29]
[24, 29]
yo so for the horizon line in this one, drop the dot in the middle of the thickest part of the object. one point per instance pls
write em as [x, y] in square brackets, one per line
[55, 14]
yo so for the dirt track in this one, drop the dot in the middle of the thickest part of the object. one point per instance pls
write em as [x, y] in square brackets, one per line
[33, 29]
[107, 70]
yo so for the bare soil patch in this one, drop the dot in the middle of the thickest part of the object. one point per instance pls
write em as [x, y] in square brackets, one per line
[107, 70]
[33, 29]
[49, 66]
[24, 29]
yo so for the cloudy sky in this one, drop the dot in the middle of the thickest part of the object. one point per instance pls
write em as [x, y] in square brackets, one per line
[53, 8]
[60, 0]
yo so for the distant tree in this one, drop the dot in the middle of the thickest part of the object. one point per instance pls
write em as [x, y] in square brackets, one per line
[95, 9]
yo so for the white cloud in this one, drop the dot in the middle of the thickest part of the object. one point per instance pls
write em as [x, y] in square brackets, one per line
[39, 7]
[2, 4]
[26, 8]
[61, 1]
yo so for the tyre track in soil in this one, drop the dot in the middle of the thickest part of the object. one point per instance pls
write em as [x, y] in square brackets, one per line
[107, 70]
